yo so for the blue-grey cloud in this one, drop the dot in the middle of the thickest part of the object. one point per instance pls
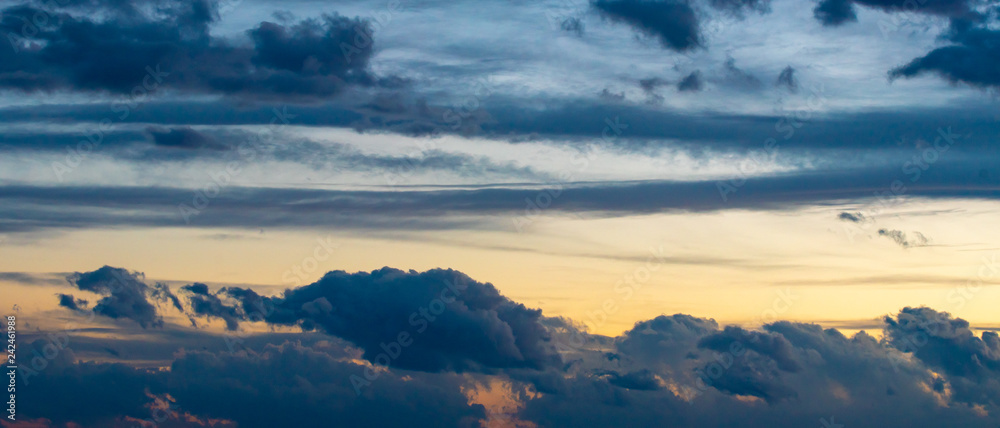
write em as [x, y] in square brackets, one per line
[971, 58]
[104, 47]
[835, 12]
[672, 22]
[126, 295]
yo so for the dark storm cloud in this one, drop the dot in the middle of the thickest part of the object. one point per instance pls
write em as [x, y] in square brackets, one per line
[973, 58]
[672, 22]
[835, 12]
[691, 83]
[126, 296]
[431, 309]
[107, 47]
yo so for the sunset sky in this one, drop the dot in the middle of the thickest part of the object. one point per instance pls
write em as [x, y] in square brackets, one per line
[594, 169]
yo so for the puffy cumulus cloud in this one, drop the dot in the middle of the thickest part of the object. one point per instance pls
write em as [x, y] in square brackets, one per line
[126, 295]
[435, 320]
[972, 58]
[971, 364]
[930, 369]
[785, 375]
[65, 46]
[664, 341]
[672, 22]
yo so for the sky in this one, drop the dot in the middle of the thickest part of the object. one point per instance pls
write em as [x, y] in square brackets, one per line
[246, 213]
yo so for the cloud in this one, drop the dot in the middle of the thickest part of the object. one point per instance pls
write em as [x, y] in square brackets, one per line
[737, 77]
[210, 305]
[739, 8]
[855, 217]
[70, 302]
[672, 22]
[972, 58]
[901, 239]
[931, 369]
[182, 138]
[174, 48]
[691, 83]
[948, 8]
[832, 13]
[33, 208]
[787, 79]
[31, 278]
[284, 384]
[374, 310]
[643, 380]
[573, 25]
[126, 296]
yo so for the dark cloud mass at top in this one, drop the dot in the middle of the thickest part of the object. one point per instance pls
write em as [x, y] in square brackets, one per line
[672, 22]
[112, 47]
[973, 57]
